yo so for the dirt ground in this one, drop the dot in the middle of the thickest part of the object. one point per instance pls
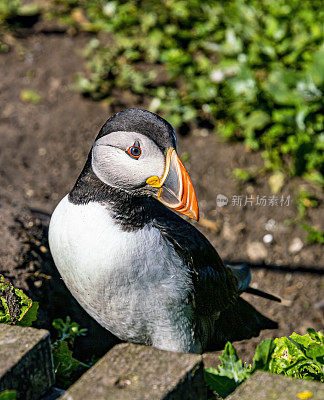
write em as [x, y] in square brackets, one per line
[44, 146]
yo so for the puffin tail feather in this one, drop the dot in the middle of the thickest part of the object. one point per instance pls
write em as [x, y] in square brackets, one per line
[261, 293]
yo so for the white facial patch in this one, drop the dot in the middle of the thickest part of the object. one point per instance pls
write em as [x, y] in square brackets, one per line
[113, 166]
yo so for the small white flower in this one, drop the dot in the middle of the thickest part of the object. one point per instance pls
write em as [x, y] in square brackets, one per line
[206, 108]
[109, 8]
[217, 76]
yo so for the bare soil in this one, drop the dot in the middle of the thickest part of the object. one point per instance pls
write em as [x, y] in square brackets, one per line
[43, 149]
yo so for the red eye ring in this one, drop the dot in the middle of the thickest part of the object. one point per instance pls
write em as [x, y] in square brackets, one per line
[134, 151]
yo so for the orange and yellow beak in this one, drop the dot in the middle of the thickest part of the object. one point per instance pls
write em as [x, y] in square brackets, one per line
[175, 187]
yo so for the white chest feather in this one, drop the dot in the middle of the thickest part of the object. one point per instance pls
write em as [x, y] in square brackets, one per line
[127, 281]
[84, 239]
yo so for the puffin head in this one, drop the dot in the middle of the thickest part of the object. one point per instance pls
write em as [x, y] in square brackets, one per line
[136, 151]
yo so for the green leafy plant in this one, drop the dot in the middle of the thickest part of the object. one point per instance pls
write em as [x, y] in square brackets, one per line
[305, 201]
[11, 10]
[8, 9]
[13, 14]
[8, 395]
[68, 330]
[298, 356]
[67, 368]
[242, 174]
[314, 235]
[16, 308]
[229, 374]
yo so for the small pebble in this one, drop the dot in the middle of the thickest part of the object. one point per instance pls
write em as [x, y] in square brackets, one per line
[286, 302]
[29, 192]
[256, 251]
[296, 245]
[38, 284]
[122, 383]
[268, 238]
[203, 132]
[270, 225]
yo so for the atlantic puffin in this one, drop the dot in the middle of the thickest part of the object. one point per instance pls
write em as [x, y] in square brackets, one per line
[139, 269]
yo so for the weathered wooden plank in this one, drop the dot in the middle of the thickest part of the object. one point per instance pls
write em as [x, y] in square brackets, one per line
[25, 361]
[265, 386]
[137, 372]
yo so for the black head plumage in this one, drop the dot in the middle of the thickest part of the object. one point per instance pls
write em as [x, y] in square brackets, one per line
[144, 122]
[89, 188]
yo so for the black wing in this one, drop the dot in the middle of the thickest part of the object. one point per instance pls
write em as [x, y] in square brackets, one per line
[221, 314]
[214, 286]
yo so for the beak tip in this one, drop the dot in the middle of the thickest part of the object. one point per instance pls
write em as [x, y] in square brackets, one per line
[194, 209]
[196, 216]
[192, 213]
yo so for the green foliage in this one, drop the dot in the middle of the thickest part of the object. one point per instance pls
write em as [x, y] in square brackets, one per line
[229, 374]
[262, 356]
[12, 15]
[8, 9]
[8, 395]
[68, 330]
[299, 356]
[11, 9]
[314, 235]
[242, 174]
[67, 368]
[306, 201]
[296, 356]
[252, 69]
[16, 308]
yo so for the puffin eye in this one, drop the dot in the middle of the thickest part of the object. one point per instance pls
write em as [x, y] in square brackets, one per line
[135, 150]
